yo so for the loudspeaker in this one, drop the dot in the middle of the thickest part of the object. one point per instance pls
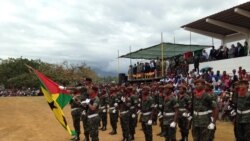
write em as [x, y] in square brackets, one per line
[122, 78]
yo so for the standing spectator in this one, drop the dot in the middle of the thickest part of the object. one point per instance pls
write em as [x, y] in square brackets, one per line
[241, 49]
[204, 55]
[234, 77]
[196, 63]
[246, 48]
[130, 72]
[244, 76]
[240, 72]
[219, 54]
[134, 69]
[212, 54]
[225, 53]
[231, 52]
[152, 65]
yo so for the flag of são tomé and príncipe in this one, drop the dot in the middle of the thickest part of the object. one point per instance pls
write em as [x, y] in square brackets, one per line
[57, 98]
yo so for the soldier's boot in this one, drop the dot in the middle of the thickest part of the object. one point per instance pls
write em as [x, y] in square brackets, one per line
[104, 128]
[86, 137]
[113, 132]
[163, 133]
[132, 137]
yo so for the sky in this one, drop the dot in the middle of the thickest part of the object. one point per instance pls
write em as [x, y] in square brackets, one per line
[92, 31]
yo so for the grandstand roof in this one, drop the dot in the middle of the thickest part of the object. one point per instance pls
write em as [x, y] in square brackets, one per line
[169, 50]
[230, 25]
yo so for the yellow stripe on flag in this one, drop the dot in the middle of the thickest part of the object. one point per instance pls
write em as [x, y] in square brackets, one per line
[57, 110]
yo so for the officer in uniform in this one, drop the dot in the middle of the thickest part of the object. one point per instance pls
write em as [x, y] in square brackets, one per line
[113, 110]
[170, 113]
[133, 100]
[125, 114]
[203, 125]
[92, 113]
[76, 110]
[184, 101]
[243, 111]
[103, 109]
[147, 109]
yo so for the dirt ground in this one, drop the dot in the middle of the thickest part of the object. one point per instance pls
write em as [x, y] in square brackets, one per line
[30, 119]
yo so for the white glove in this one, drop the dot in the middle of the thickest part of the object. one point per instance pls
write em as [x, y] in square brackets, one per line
[190, 118]
[104, 111]
[138, 112]
[173, 124]
[229, 107]
[123, 99]
[87, 101]
[159, 114]
[185, 114]
[211, 126]
[62, 88]
[139, 105]
[150, 122]
[233, 113]
[114, 111]
[84, 112]
[115, 104]
[133, 115]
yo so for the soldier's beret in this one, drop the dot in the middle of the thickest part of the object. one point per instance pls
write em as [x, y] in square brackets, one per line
[209, 85]
[169, 86]
[199, 81]
[244, 82]
[183, 86]
[146, 88]
[94, 88]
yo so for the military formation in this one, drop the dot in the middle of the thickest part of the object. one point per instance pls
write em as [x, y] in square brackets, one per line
[192, 108]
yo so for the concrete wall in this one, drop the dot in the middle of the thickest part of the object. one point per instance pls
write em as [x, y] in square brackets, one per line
[227, 64]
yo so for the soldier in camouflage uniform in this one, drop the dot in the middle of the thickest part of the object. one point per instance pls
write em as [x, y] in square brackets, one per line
[170, 113]
[184, 101]
[203, 121]
[147, 109]
[160, 111]
[92, 113]
[125, 114]
[133, 100]
[76, 110]
[103, 109]
[113, 110]
[243, 111]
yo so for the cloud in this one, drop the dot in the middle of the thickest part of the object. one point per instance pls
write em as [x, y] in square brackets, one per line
[92, 31]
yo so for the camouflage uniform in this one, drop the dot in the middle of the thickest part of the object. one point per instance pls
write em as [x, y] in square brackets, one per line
[146, 109]
[202, 108]
[94, 119]
[76, 110]
[84, 96]
[103, 110]
[170, 104]
[243, 118]
[124, 117]
[183, 122]
[133, 100]
[160, 110]
[113, 112]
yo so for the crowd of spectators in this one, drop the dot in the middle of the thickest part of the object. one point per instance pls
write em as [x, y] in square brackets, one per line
[19, 92]
[234, 51]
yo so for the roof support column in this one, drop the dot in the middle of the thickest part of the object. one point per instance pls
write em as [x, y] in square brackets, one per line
[248, 41]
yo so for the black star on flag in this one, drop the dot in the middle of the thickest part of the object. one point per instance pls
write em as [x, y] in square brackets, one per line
[52, 105]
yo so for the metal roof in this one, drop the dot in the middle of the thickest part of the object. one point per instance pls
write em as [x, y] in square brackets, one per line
[225, 23]
[169, 50]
